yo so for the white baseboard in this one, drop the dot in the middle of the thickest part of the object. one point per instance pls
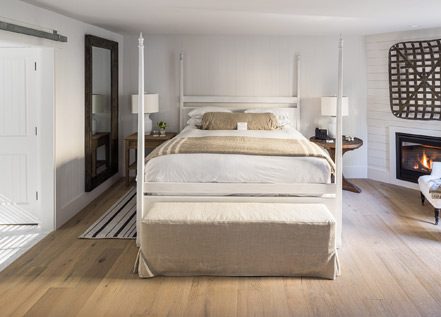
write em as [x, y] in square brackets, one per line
[72, 208]
[355, 171]
[378, 174]
[405, 184]
[383, 175]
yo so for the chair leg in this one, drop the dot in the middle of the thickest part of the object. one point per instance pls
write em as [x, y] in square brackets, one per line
[436, 216]
[423, 198]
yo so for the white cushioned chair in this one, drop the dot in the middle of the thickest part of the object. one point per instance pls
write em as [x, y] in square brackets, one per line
[424, 183]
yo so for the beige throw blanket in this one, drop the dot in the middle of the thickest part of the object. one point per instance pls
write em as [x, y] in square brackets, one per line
[242, 145]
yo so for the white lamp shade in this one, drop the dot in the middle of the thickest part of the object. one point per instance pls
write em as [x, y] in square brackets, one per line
[99, 104]
[151, 103]
[329, 106]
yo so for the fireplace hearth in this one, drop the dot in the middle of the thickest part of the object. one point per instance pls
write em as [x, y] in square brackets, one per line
[415, 155]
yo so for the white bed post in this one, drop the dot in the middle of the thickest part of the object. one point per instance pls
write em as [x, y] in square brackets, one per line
[181, 89]
[298, 93]
[141, 145]
[339, 140]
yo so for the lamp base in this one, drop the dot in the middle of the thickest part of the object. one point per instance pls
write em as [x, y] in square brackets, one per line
[148, 124]
[332, 127]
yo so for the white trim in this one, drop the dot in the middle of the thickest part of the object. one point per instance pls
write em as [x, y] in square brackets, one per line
[239, 188]
[339, 141]
[71, 208]
[141, 137]
[46, 134]
[298, 80]
[392, 159]
[181, 91]
[233, 99]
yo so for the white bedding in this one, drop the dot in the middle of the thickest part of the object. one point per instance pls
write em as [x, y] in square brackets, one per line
[237, 168]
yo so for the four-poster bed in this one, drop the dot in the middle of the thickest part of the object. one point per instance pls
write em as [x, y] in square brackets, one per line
[171, 213]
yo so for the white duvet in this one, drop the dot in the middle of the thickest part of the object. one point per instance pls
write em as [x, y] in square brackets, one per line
[237, 168]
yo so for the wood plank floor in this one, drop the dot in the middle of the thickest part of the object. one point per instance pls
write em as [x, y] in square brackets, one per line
[391, 266]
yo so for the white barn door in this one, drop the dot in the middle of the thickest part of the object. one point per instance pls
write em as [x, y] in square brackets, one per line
[19, 106]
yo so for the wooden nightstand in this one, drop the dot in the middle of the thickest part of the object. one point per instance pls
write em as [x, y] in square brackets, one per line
[347, 146]
[131, 143]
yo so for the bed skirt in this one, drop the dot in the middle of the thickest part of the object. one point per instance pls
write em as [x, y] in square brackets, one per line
[237, 239]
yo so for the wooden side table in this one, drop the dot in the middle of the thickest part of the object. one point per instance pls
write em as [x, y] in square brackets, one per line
[347, 146]
[151, 142]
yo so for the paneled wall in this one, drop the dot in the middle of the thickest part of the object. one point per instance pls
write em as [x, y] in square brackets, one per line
[252, 66]
[380, 118]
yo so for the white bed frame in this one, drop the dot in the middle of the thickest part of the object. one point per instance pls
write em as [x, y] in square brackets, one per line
[328, 194]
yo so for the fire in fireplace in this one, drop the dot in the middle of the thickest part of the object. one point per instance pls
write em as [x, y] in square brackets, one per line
[415, 155]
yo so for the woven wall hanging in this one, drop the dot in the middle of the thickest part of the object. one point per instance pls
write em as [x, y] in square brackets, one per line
[415, 80]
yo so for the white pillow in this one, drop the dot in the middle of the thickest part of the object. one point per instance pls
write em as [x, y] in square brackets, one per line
[199, 112]
[194, 122]
[282, 114]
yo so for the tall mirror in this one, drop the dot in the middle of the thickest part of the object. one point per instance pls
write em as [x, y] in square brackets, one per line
[101, 113]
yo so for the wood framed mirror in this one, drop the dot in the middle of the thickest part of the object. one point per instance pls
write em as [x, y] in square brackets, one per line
[101, 110]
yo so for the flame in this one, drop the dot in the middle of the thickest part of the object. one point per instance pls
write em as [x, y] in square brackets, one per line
[426, 161]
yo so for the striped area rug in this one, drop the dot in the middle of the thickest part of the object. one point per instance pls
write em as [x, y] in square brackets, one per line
[119, 222]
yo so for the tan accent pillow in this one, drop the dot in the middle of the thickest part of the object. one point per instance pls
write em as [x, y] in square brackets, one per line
[228, 121]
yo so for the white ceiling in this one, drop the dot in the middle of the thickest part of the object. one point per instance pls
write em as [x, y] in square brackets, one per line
[304, 17]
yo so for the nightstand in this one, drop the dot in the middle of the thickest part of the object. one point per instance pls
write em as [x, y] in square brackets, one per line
[151, 142]
[347, 146]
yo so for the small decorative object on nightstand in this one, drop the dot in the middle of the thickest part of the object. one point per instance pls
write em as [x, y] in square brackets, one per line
[349, 144]
[151, 142]
[162, 125]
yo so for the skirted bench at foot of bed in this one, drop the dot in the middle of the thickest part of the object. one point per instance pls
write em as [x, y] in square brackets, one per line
[237, 239]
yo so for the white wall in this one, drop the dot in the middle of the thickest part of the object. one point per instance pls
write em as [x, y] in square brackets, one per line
[69, 97]
[252, 66]
[380, 118]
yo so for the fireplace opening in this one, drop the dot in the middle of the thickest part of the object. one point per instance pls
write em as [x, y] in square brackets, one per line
[415, 155]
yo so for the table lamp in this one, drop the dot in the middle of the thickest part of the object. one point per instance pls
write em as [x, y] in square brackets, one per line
[329, 109]
[151, 105]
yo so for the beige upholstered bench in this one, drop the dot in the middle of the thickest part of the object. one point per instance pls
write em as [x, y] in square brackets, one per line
[237, 239]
